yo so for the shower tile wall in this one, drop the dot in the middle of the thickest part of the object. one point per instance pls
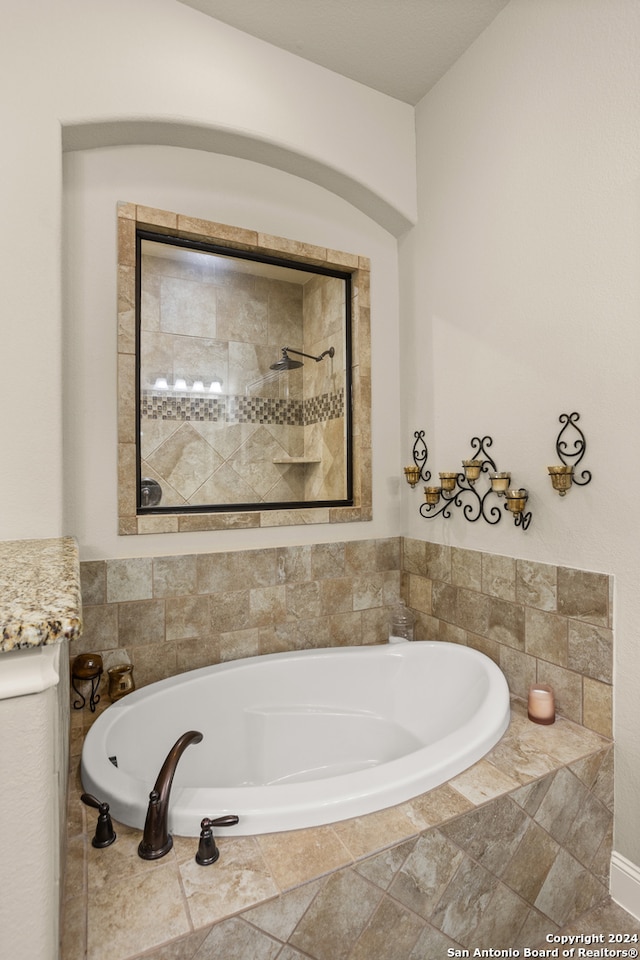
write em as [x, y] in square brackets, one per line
[324, 383]
[538, 621]
[221, 448]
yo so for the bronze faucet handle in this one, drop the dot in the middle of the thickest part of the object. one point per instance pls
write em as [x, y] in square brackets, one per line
[105, 834]
[229, 820]
[208, 852]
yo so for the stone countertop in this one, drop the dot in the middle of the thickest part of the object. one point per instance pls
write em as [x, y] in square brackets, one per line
[40, 602]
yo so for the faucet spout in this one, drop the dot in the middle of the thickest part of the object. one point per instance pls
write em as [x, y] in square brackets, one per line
[156, 839]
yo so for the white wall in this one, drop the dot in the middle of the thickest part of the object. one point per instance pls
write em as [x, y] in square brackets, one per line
[522, 300]
[227, 190]
[82, 72]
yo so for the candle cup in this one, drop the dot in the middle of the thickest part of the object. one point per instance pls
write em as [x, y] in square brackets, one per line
[448, 480]
[541, 704]
[561, 478]
[516, 500]
[432, 495]
[500, 482]
[472, 469]
[412, 474]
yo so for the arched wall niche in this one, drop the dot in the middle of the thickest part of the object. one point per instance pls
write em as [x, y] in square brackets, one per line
[243, 145]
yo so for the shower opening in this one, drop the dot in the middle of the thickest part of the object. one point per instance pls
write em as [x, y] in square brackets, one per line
[227, 417]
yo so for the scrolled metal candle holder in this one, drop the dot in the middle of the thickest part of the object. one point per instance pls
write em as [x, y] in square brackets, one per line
[461, 489]
[419, 454]
[570, 451]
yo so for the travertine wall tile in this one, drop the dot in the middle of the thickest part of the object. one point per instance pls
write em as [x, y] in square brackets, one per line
[539, 622]
[466, 568]
[536, 584]
[499, 576]
[129, 579]
[93, 581]
[187, 617]
[583, 595]
[519, 669]
[141, 621]
[591, 650]
[414, 557]
[547, 636]
[567, 687]
[174, 576]
[472, 611]
[598, 707]
[438, 557]
[341, 593]
[506, 623]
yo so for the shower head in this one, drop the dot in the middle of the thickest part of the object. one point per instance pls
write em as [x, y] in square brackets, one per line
[286, 363]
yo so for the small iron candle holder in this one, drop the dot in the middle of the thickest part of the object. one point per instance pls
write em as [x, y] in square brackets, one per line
[87, 667]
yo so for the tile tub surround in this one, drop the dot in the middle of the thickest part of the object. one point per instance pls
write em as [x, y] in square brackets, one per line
[505, 853]
[39, 593]
[171, 614]
[539, 622]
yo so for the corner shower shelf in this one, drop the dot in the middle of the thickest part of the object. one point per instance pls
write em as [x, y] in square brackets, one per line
[302, 460]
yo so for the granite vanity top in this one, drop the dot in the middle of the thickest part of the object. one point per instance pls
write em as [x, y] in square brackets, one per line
[39, 593]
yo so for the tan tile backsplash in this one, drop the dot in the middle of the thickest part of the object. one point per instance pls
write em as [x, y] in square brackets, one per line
[539, 622]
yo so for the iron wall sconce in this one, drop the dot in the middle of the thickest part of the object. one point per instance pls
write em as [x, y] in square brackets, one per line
[563, 474]
[459, 489]
[418, 469]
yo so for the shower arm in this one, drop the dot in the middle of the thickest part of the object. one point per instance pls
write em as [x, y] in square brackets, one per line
[327, 353]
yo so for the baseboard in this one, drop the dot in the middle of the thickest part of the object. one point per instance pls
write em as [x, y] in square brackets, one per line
[625, 884]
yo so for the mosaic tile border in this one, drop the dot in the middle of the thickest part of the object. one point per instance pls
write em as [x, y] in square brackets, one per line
[240, 409]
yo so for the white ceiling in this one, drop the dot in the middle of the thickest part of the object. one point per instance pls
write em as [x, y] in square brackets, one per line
[399, 47]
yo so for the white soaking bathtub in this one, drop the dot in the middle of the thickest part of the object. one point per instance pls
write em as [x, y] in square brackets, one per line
[299, 739]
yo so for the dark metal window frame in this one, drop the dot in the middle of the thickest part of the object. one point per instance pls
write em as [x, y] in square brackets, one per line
[254, 256]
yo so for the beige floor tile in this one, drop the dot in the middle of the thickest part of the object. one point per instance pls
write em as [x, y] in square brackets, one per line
[138, 912]
[240, 878]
